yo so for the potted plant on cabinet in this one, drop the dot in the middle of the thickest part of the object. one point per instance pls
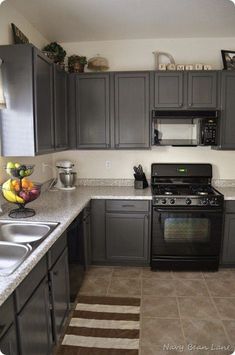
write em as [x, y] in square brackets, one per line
[55, 52]
[76, 63]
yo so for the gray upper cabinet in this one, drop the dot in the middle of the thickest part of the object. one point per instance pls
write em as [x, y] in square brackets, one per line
[168, 90]
[131, 110]
[186, 90]
[227, 129]
[44, 117]
[202, 89]
[35, 119]
[93, 111]
[61, 109]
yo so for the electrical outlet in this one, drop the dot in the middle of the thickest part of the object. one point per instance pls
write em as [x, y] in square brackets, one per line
[108, 164]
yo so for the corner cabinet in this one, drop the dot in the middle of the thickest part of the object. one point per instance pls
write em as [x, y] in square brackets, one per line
[36, 99]
[120, 232]
[131, 110]
[186, 90]
[93, 111]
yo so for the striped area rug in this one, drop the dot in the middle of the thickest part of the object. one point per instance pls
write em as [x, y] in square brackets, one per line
[103, 326]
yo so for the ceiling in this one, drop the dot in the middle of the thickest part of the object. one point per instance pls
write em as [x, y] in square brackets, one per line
[97, 20]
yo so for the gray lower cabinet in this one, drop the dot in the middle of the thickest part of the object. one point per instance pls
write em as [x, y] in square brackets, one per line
[168, 90]
[228, 249]
[127, 238]
[60, 293]
[120, 232]
[186, 90]
[8, 337]
[8, 343]
[227, 119]
[92, 110]
[131, 110]
[34, 323]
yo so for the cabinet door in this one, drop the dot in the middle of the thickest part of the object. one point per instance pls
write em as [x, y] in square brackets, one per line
[98, 239]
[60, 106]
[228, 256]
[131, 111]
[87, 239]
[228, 111]
[59, 277]
[202, 90]
[127, 237]
[168, 90]
[92, 102]
[34, 323]
[43, 104]
[8, 343]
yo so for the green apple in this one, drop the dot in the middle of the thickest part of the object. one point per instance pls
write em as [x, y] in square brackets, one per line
[10, 165]
[22, 173]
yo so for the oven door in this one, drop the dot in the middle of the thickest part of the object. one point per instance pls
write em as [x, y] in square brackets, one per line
[186, 232]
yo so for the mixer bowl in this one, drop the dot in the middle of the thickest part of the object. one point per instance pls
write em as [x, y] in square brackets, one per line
[68, 178]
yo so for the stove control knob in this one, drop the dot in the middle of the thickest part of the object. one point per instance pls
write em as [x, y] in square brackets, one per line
[163, 201]
[212, 202]
[188, 201]
[204, 202]
[172, 201]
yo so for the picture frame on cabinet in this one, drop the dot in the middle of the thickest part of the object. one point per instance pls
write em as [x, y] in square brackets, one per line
[228, 59]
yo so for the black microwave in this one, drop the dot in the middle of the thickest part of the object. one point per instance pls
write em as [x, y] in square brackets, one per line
[185, 128]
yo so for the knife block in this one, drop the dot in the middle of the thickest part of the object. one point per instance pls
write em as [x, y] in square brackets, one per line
[140, 182]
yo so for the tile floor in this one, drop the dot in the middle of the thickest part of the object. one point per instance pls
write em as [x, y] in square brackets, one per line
[181, 312]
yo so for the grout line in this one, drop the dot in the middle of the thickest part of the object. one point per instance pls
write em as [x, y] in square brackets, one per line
[212, 300]
[109, 284]
[181, 324]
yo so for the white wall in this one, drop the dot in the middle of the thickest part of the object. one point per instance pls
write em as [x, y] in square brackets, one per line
[8, 15]
[137, 55]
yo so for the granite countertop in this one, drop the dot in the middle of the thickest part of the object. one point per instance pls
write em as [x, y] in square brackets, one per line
[227, 191]
[61, 206]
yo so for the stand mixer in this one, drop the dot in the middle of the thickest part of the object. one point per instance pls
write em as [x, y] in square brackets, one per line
[66, 178]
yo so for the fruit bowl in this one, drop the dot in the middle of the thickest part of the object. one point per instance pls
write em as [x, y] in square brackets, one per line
[21, 192]
[19, 170]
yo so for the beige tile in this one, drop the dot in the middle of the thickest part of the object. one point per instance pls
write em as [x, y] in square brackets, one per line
[157, 333]
[226, 307]
[99, 272]
[187, 275]
[190, 288]
[158, 287]
[120, 286]
[221, 288]
[230, 330]
[205, 333]
[148, 273]
[196, 307]
[127, 272]
[95, 286]
[221, 274]
[163, 307]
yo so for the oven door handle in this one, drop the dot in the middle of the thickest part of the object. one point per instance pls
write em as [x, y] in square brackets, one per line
[187, 210]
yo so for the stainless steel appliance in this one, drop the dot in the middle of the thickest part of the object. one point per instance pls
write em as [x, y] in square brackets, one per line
[184, 128]
[187, 217]
[66, 177]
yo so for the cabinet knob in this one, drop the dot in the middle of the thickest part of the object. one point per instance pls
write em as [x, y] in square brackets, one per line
[55, 273]
[1, 353]
[190, 104]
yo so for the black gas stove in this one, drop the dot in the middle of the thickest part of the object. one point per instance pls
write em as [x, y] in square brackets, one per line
[187, 215]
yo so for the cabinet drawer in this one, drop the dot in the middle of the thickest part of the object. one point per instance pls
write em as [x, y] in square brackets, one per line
[6, 315]
[230, 206]
[26, 288]
[57, 249]
[127, 205]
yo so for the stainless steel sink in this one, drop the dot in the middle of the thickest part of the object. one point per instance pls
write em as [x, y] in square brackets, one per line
[23, 233]
[11, 256]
